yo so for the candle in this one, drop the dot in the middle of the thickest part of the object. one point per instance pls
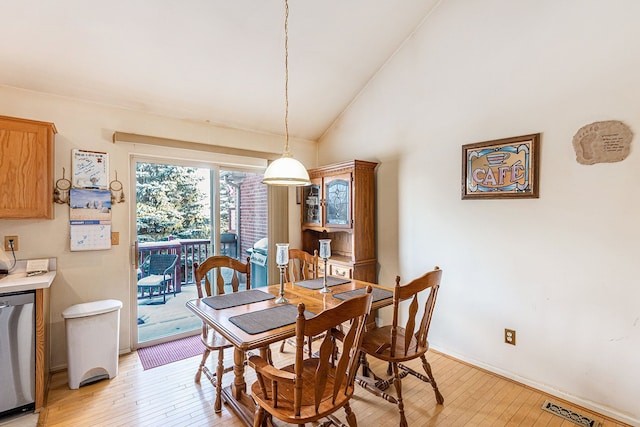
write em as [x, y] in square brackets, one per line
[325, 248]
[282, 253]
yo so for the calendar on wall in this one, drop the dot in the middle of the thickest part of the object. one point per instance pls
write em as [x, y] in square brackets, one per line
[90, 219]
[87, 236]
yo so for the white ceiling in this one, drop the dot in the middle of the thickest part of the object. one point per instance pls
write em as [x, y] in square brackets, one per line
[220, 61]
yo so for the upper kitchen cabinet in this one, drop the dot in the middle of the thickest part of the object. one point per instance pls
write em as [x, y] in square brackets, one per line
[340, 205]
[26, 168]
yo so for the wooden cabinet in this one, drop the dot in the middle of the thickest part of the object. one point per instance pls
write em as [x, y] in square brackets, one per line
[26, 168]
[340, 205]
[42, 347]
[328, 202]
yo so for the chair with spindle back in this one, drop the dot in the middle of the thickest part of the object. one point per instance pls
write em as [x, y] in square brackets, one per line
[211, 340]
[302, 266]
[396, 343]
[314, 387]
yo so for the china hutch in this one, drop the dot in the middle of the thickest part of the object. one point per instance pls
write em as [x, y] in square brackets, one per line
[340, 205]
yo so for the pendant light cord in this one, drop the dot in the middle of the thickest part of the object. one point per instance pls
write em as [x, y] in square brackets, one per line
[286, 77]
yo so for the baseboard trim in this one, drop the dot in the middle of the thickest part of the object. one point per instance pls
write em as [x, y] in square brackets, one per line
[587, 404]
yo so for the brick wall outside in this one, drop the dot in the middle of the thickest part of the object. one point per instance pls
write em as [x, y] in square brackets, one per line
[253, 212]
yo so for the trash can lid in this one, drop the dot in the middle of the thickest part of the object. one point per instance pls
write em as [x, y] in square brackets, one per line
[261, 245]
[92, 308]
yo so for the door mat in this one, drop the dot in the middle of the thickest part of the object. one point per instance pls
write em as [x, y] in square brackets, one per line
[162, 354]
[569, 415]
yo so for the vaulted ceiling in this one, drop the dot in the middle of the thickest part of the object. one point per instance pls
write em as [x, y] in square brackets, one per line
[220, 61]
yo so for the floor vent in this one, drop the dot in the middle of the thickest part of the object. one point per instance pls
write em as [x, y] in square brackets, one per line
[574, 417]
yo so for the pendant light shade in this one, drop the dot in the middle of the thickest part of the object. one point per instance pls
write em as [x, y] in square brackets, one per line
[286, 170]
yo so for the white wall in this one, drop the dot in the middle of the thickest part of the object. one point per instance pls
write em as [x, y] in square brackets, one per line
[96, 275]
[562, 269]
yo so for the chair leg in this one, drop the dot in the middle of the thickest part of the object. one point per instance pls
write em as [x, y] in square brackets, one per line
[427, 369]
[259, 418]
[282, 346]
[365, 364]
[219, 372]
[398, 384]
[205, 355]
[351, 417]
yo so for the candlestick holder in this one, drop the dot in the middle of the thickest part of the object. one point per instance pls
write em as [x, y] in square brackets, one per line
[282, 259]
[325, 254]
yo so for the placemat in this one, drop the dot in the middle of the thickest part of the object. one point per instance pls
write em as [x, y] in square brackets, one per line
[319, 282]
[267, 319]
[219, 302]
[378, 294]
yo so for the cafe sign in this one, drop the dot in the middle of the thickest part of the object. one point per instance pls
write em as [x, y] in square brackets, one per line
[503, 168]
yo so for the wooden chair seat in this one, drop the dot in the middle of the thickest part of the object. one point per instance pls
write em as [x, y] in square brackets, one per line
[216, 341]
[377, 343]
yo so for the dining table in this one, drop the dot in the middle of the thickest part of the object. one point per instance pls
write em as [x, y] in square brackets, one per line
[252, 320]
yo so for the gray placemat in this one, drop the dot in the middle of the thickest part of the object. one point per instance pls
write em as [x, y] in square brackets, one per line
[220, 302]
[267, 319]
[378, 294]
[319, 282]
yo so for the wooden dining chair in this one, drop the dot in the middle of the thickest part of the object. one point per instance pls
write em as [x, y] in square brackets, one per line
[314, 386]
[233, 270]
[302, 266]
[396, 343]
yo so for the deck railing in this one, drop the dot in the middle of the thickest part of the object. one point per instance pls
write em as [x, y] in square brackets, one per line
[188, 250]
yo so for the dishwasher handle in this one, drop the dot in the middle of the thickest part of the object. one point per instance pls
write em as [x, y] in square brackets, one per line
[19, 298]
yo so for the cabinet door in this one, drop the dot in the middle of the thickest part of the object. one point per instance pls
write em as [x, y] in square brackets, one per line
[337, 201]
[311, 203]
[26, 169]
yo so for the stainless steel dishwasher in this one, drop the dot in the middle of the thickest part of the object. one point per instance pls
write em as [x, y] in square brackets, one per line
[17, 352]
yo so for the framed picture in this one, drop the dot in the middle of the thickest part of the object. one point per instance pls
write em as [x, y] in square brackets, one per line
[501, 169]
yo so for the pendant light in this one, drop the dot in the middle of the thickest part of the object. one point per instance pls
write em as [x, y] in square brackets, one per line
[286, 170]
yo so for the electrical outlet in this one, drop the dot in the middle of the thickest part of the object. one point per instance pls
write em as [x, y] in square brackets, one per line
[7, 243]
[510, 336]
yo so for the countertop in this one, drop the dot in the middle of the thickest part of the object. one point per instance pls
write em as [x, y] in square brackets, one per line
[17, 279]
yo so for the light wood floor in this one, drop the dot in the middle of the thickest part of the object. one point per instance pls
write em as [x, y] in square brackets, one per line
[168, 396]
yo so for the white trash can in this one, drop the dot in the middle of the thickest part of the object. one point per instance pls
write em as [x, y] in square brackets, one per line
[93, 336]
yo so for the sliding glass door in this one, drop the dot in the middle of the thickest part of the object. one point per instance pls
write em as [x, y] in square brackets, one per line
[188, 212]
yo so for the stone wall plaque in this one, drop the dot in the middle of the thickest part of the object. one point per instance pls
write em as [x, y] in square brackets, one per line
[602, 142]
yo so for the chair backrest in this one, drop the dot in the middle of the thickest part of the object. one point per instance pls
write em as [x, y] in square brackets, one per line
[161, 263]
[302, 265]
[428, 282]
[353, 312]
[222, 265]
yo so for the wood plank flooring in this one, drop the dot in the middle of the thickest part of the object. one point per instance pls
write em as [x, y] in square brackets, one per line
[168, 396]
